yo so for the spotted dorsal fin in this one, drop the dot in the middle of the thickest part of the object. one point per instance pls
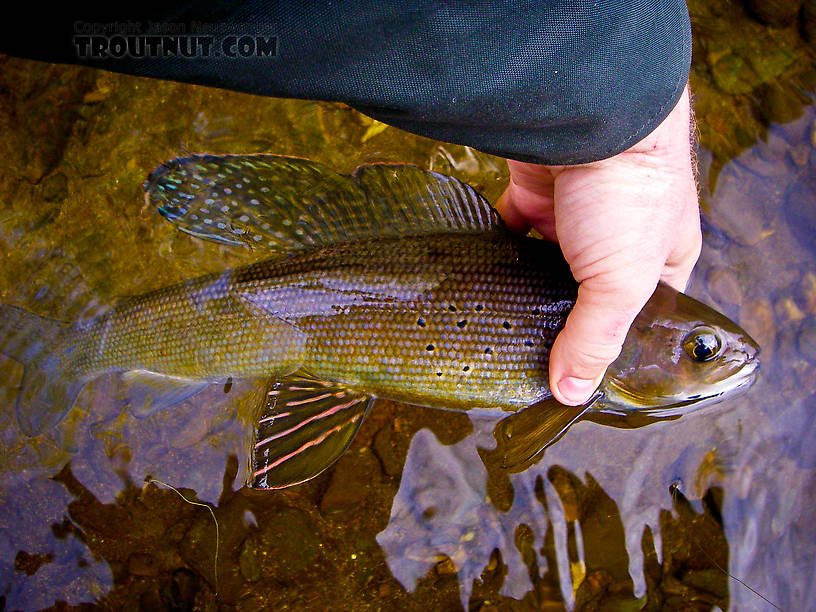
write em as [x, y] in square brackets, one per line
[304, 427]
[281, 203]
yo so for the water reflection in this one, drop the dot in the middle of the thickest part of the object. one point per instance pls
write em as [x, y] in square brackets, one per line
[748, 469]
[40, 565]
[595, 523]
[562, 539]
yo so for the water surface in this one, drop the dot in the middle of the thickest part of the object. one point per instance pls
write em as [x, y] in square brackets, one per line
[409, 518]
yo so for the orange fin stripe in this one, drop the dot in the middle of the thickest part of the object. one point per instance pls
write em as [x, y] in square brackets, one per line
[308, 444]
[274, 416]
[308, 400]
[326, 413]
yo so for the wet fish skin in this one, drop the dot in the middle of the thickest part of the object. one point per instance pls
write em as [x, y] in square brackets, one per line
[291, 205]
[453, 321]
[392, 282]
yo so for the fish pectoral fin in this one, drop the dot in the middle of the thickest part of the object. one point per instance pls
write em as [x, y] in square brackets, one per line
[304, 427]
[522, 437]
[148, 392]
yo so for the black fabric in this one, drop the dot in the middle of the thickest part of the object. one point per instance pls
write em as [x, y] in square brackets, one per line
[557, 82]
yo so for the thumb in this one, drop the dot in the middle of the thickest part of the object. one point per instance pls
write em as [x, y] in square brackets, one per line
[592, 338]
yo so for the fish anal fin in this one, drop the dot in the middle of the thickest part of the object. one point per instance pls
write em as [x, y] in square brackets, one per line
[522, 437]
[148, 392]
[304, 426]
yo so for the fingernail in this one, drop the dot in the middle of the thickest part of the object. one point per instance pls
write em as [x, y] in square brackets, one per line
[576, 389]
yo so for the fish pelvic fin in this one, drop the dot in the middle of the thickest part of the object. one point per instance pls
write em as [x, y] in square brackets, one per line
[43, 346]
[522, 437]
[304, 426]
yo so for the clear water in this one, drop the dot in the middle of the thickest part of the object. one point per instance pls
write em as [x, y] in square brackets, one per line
[409, 518]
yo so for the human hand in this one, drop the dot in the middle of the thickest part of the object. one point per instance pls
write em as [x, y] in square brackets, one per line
[623, 223]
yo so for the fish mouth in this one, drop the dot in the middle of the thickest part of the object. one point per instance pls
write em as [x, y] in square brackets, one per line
[741, 380]
[745, 376]
[660, 407]
[748, 371]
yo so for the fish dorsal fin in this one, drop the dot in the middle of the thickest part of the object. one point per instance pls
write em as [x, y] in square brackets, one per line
[425, 202]
[279, 203]
[304, 427]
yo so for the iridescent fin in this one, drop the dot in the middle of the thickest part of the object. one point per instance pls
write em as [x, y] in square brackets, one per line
[522, 437]
[282, 203]
[304, 427]
[408, 199]
[148, 392]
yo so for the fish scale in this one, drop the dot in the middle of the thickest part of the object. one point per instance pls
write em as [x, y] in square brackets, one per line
[392, 282]
[489, 340]
[196, 329]
[401, 318]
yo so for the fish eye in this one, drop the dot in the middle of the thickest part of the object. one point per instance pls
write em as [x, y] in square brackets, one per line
[702, 344]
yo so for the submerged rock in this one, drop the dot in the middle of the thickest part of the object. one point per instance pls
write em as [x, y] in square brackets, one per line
[143, 564]
[354, 475]
[249, 559]
[55, 187]
[806, 340]
[724, 285]
[800, 211]
[775, 13]
[289, 544]
[809, 21]
[38, 108]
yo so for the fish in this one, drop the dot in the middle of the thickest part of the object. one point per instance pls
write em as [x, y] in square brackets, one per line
[392, 282]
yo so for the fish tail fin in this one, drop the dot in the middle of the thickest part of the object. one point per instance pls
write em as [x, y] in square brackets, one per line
[42, 346]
